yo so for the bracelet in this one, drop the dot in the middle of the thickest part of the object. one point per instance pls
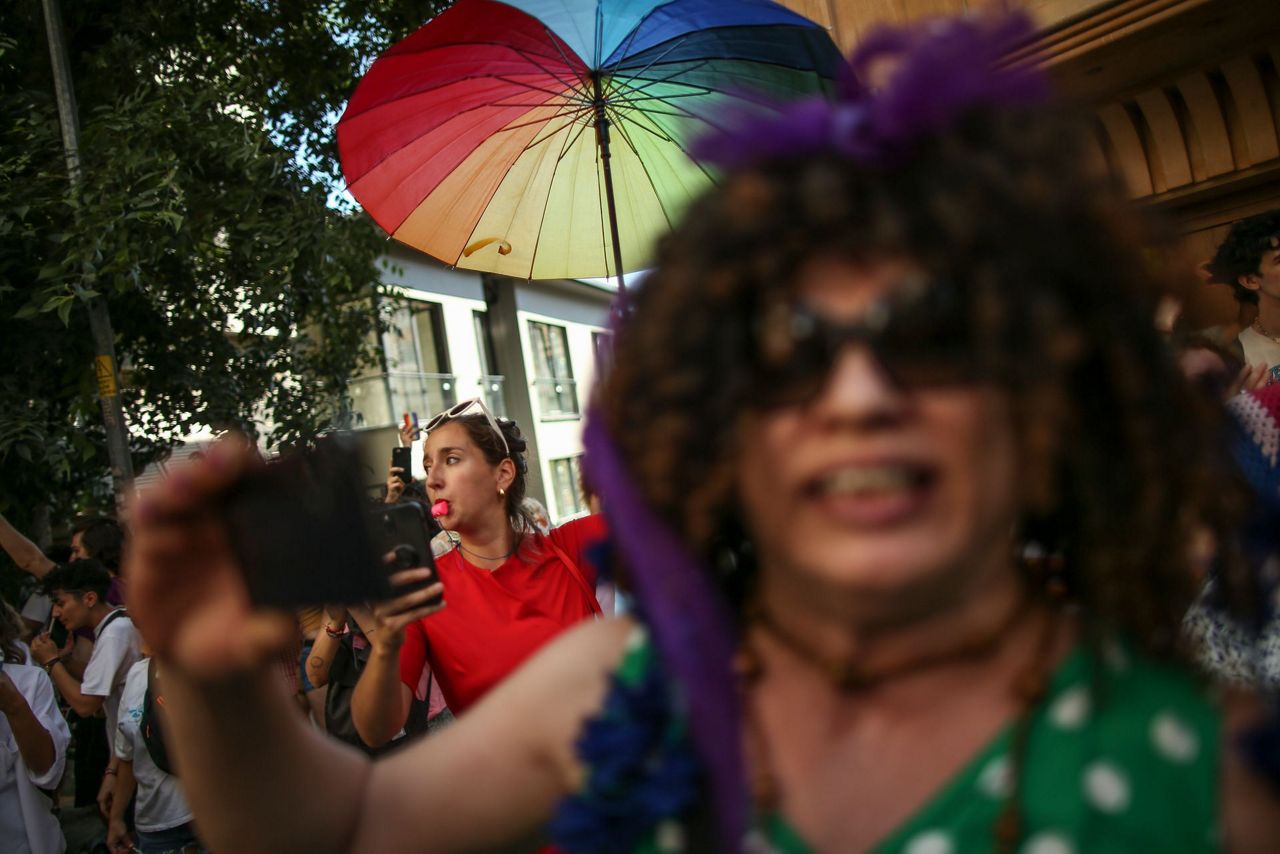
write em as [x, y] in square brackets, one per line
[335, 633]
[108, 771]
[48, 665]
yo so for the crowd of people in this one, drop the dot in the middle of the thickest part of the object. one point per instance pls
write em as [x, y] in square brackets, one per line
[933, 542]
[374, 675]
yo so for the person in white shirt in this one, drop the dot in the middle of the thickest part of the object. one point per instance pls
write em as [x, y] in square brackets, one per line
[161, 816]
[79, 591]
[1249, 261]
[33, 753]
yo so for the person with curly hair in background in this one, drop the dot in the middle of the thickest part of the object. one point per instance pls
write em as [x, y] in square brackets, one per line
[904, 483]
[1249, 262]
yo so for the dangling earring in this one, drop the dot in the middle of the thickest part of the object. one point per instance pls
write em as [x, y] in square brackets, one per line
[502, 491]
[1048, 568]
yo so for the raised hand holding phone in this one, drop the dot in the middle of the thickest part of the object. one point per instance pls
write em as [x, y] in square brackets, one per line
[187, 594]
[395, 486]
[408, 431]
[384, 623]
[402, 464]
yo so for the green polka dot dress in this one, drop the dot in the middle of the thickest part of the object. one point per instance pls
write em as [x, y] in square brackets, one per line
[1122, 756]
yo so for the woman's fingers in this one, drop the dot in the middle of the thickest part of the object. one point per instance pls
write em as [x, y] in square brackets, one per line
[187, 594]
[396, 607]
[429, 602]
[409, 576]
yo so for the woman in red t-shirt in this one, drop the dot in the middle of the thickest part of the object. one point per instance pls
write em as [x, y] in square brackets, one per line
[507, 588]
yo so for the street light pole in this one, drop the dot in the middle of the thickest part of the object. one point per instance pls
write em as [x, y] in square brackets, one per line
[104, 349]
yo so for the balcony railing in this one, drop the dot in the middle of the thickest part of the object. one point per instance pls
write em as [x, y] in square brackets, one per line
[382, 399]
[491, 393]
[557, 397]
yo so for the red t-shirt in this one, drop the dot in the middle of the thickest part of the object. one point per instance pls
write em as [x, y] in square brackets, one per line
[494, 620]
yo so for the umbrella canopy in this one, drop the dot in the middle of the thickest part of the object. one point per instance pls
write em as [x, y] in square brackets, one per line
[483, 139]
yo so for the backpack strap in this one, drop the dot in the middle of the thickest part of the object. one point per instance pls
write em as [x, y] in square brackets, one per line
[110, 618]
[576, 573]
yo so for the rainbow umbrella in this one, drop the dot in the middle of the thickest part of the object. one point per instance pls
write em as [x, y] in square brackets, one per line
[493, 137]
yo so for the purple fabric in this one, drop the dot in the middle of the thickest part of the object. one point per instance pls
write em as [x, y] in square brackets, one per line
[945, 68]
[690, 625]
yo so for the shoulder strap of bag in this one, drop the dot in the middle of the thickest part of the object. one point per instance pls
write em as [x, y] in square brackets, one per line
[576, 573]
[118, 612]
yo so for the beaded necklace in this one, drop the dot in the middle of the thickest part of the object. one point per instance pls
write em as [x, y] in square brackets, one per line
[1257, 327]
[1029, 686]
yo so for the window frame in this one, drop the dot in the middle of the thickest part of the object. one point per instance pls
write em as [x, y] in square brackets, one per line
[546, 383]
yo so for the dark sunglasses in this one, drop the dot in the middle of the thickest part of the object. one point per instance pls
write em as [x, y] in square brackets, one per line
[922, 335]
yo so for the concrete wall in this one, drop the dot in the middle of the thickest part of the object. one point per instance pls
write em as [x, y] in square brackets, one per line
[581, 313]
[581, 309]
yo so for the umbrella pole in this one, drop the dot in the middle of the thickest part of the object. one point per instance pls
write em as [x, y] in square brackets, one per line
[602, 139]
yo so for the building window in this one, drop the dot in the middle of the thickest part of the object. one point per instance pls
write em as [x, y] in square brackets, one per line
[566, 478]
[433, 346]
[491, 381]
[553, 372]
[418, 378]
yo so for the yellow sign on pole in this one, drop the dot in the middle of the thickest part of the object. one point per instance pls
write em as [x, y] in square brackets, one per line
[106, 374]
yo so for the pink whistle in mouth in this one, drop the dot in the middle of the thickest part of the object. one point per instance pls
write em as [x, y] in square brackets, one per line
[440, 508]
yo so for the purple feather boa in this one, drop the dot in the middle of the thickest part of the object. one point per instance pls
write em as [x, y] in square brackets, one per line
[689, 622]
[942, 69]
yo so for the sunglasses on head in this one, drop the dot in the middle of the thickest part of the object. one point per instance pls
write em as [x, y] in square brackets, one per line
[921, 336]
[468, 407]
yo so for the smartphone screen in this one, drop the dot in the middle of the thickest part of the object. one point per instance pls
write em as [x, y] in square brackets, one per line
[403, 458]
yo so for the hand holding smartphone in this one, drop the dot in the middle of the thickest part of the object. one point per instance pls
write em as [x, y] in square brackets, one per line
[402, 458]
[303, 532]
[401, 532]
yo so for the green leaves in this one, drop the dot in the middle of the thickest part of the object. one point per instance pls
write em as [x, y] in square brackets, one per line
[237, 296]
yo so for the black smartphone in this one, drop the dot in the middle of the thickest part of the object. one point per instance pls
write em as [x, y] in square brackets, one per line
[300, 528]
[402, 531]
[403, 458]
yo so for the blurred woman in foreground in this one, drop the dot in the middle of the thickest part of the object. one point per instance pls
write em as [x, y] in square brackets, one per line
[907, 341]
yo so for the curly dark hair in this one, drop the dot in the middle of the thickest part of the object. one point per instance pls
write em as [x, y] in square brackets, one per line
[1123, 459]
[103, 539]
[1241, 253]
[79, 577]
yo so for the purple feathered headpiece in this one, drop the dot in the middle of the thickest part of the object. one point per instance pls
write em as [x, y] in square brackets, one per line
[943, 70]
[935, 72]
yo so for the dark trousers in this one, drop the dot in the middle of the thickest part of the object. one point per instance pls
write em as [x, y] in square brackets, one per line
[92, 753]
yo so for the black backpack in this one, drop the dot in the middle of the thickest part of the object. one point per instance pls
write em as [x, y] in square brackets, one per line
[344, 672]
[152, 732]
